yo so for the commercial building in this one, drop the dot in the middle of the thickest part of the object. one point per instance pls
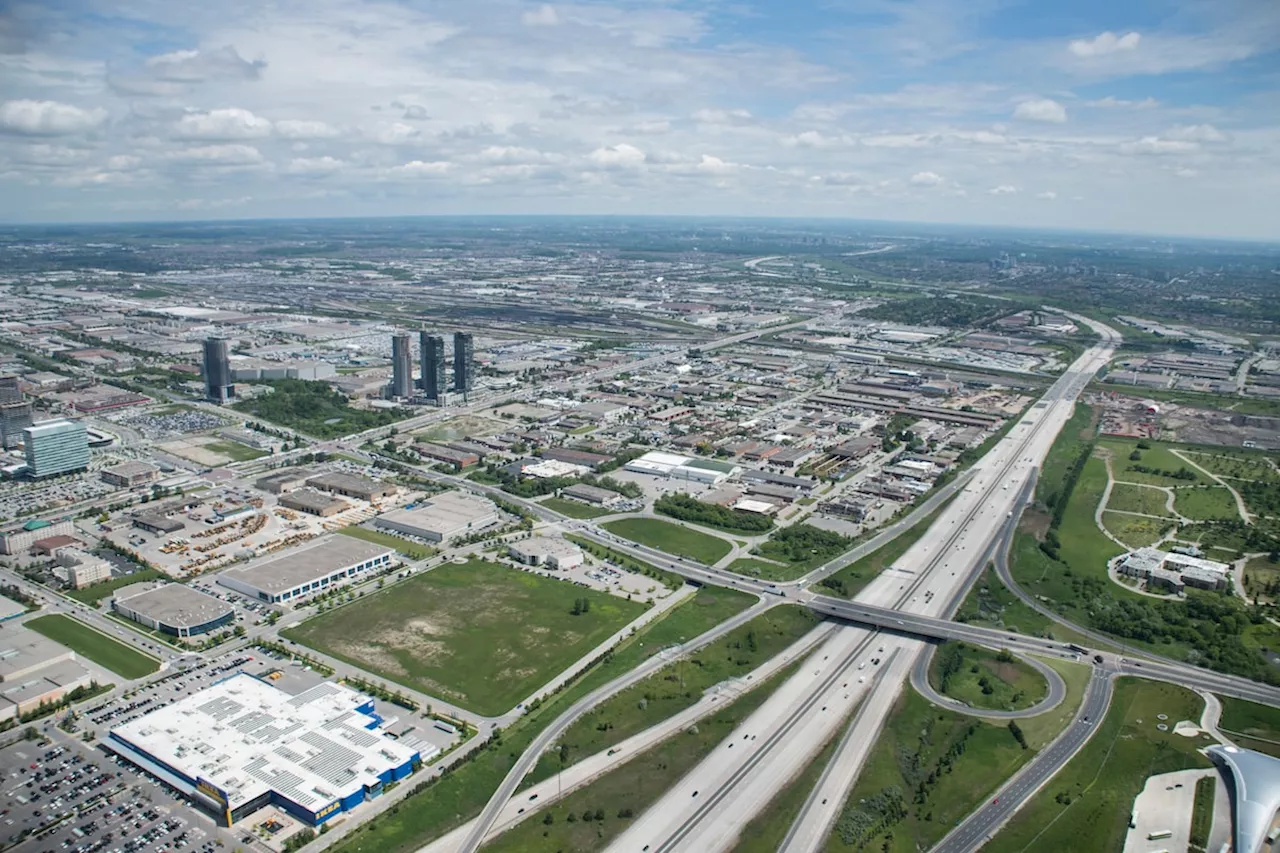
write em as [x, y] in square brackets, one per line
[15, 416]
[1173, 571]
[218, 386]
[78, 569]
[464, 368]
[459, 459]
[546, 551]
[312, 502]
[10, 609]
[35, 669]
[320, 564]
[593, 495]
[126, 475]
[173, 609]
[10, 389]
[433, 382]
[1255, 794]
[673, 465]
[252, 371]
[441, 518]
[576, 457]
[284, 480]
[547, 469]
[18, 540]
[352, 486]
[56, 447]
[401, 368]
[243, 744]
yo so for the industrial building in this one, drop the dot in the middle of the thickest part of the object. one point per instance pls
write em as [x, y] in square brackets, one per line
[218, 385]
[321, 563]
[464, 368]
[126, 475]
[35, 669]
[173, 609]
[312, 502]
[434, 382]
[18, 540]
[677, 467]
[401, 368]
[441, 518]
[593, 495]
[546, 551]
[157, 521]
[284, 480]
[243, 744]
[55, 447]
[459, 459]
[352, 486]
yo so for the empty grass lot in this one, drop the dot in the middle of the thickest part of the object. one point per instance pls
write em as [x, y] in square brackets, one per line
[235, 451]
[1205, 503]
[1156, 458]
[1143, 499]
[671, 538]
[981, 680]
[412, 550]
[573, 509]
[478, 634]
[1135, 530]
[94, 645]
[1085, 808]
[1251, 725]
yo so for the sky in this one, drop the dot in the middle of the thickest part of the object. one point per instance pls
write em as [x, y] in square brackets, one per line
[1142, 116]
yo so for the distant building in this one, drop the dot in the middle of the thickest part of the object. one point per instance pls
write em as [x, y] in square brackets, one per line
[284, 480]
[310, 501]
[56, 447]
[593, 495]
[442, 517]
[302, 572]
[546, 551]
[173, 609]
[78, 569]
[129, 474]
[352, 486]
[434, 382]
[18, 540]
[1173, 571]
[464, 369]
[218, 386]
[14, 418]
[401, 367]
[10, 389]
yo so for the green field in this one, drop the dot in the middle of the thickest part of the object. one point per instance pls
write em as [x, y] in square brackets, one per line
[460, 794]
[1156, 457]
[1237, 465]
[1262, 578]
[1041, 729]
[1202, 813]
[765, 569]
[479, 634]
[984, 679]
[1057, 463]
[94, 645]
[679, 685]
[851, 580]
[1142, 499]
[1205, 503]
[314, 408]
[1251, 725]
[928, 769]
[1135, 531]
[990, 604]
[98, 591]
[1086, 807]
[672, 538]
[235, 451]
[573, 509]
[412, 550]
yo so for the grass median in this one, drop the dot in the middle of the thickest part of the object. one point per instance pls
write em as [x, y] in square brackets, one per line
[94, 645]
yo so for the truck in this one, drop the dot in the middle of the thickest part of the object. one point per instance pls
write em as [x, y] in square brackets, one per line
[1159, 834]
[1077, 648]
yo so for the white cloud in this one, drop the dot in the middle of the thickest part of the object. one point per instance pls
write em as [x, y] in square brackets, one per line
[1047, 195]
[716, 166]
[1003, 189]
[423, 169]
[712, 116]
[314, 166]
[1186, 173]
[621, 155]
[124, 162]
[179, 71]
[222, 125]
[1104, 44]
[1197, 133]
[650, 128]
[1041, 109]
[544, 16]
[303, 129]
[218, 155]
[415, 112]
[396, 133]
[1112, 103]
[926, 179]
[1155, 146]
[48, 118]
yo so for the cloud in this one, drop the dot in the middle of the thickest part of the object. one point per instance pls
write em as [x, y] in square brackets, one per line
[314, 166]
[48, 118]
[415, 112]
[1155, 146]
[1104, 44]
[650, 128]
[711, 116]
[926, 179]
[621, 155]
[396, 133]
[1197, 133]
[1113, 103]
[1003, 189]
[1047, 195]
[1186, 173]
[124, 162]
[222, 125]
[423, 169]
[304, 129]
[716, 166]
[181, 70]
[1041, 109]
[218, 155]
[544, 16]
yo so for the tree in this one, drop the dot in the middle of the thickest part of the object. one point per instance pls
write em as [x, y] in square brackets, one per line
[1016, 731]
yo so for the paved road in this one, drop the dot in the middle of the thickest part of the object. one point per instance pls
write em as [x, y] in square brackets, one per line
[1053, 698]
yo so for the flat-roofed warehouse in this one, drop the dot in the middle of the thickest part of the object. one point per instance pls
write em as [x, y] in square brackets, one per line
[243, 744]
[310, 501]
[284, 480]
[129, 474]
[442, 518]
[352, 486]
[173, 609]
[298, 573]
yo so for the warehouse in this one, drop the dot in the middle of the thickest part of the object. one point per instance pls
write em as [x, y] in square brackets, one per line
[593, 495]
[126, 475]
[173, 609]
[546, 551]
[321, 563]
[155, 521]
[310, 501]
[677, 467]
[352, 486]
[442, 518]
[244, 744]
[285, 480]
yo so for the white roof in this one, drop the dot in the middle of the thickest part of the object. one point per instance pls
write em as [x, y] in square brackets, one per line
[554, 468]
[755, 506]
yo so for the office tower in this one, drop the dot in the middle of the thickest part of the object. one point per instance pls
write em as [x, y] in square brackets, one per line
[401, 367]
[464, 369]
[217, 371]
[10, 390]
[434, 382]
[14, 418]
[56, 447]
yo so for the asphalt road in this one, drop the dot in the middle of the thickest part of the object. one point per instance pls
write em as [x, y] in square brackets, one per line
[1053, 698]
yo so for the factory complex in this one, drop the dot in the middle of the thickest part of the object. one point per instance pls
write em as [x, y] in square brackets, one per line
[441, 518]
[302, 571]
[242, 744]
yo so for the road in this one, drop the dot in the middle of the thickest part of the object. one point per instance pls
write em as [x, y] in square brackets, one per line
[1053, 697]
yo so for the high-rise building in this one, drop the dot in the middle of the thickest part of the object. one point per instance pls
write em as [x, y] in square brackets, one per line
[14, 418]
[56, 447]
[401, 367]
[10, 390]
[434, 381]
[464, 368]
[218, 385]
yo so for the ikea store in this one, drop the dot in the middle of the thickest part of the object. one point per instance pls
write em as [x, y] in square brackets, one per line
[243, 744]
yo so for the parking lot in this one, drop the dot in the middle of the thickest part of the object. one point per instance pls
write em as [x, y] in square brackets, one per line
[19, 497]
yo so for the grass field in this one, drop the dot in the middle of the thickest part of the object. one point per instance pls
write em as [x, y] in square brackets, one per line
[953, 760]
[1143, 499]
[98, 591]
[679, 685]
[1251, 725]
[1085, 808]
[1262, 578]
[1135, 531]
[1075, 432]
[94, 645]
[573, 509]
[459, 795]
[235, 451]
[1043, 728]
[412, 550]
[1202, 813]
[1205, 503]
[851, 580]
[1237, 465]
[981, 680]
[479, 634]
[671, 538]
[765, 569]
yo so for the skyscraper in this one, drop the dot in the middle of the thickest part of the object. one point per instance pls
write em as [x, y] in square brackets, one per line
[464, 369]
[401, 367]
[10, 390]
[434, 382]
[56, 447]
[218, 386]
[14, 418]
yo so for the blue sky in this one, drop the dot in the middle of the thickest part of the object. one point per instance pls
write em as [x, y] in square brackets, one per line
[1143, 116]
